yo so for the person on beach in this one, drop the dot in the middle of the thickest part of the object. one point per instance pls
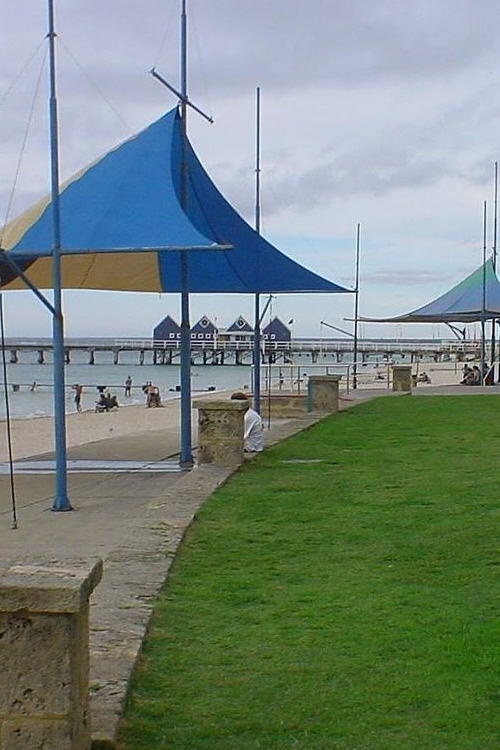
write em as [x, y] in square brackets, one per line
[111, 401]
[128, 386]
[102, 404]
[78, 389]
[146, 390]
[152, 396]
[254, 433]
[106, 403]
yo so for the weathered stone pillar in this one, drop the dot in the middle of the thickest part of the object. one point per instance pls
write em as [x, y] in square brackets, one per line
[401, 377]
[44, 654]
[220, 432]
[323, 393]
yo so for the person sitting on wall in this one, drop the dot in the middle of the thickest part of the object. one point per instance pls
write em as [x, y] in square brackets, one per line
[253, 438]
[473, 377]
[466, 370]
[487, 374]
[423, 378]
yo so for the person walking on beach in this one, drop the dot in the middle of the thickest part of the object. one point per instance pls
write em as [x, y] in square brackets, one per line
[78, 389]
[128, 386]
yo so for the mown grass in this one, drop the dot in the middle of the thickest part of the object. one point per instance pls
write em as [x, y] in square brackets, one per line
[347, 604]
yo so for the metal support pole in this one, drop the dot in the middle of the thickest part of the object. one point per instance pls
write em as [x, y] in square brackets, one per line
[61, 501]
[256, 356]
[495, 218]
[483, 312]
[356, 314]
[256, 331]
[186, 458]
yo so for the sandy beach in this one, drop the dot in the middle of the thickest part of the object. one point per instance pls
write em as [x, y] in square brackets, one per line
[31, 437]
[440, 373]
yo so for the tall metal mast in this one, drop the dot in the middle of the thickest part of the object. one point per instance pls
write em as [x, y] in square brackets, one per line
[256, 333]
[61, 501]
[483, 311]
[495, 223]
[186, 457]
[356, 313]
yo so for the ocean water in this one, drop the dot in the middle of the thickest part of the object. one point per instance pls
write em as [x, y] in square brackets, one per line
[25, 403]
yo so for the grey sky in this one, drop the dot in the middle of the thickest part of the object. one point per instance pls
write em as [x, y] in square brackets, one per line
[383, 112]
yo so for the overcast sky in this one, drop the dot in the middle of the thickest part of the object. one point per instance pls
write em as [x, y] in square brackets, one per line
[382, 112]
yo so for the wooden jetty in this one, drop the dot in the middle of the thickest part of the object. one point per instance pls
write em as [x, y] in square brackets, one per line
[150, 351]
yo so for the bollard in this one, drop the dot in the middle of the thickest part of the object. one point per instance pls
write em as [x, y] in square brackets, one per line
[44, 654]
[220, 432]
[401, 377]
[323, 393]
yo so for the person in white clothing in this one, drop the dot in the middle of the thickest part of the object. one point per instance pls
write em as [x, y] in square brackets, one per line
[254, 432]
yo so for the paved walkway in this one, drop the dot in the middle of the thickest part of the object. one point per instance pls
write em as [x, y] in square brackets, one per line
[134, 521]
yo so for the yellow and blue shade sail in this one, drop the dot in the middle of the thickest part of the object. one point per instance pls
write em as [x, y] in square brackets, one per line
[123, 227]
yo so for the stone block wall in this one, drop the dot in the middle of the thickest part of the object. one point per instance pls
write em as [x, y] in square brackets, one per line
[220, 432]
[401, 378]
[283, 405]
[44, 655]
[323, 393]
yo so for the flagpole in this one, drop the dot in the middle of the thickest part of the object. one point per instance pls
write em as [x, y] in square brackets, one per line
[256, 331]
[61, 501]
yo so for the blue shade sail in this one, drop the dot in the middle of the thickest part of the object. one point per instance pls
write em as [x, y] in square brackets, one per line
[477, 297]
[121, 217]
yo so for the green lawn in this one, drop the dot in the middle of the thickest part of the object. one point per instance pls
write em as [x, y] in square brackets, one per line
[350, 603]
